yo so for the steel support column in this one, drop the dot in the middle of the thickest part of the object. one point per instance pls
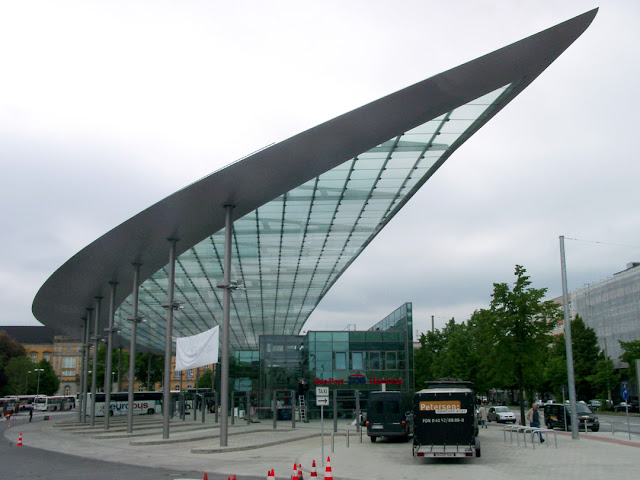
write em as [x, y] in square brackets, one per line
[94, 365]
[85, 366]
[226, 305]
[132, 348]
[108, 378]
[168, 342]
[81, 399]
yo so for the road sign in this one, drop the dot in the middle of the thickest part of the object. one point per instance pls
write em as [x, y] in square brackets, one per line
[322, 391]
[625, 393]
[322, 401]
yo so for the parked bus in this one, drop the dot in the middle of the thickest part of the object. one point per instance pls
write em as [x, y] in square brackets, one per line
[55, 403]
[8, 406]
[143, 403]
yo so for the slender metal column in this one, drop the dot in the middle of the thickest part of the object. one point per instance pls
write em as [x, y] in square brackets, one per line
[226, 305]
[85, 367]
[94, 375]
[171, 306]
[81, 390]
[132, 348]
[120, 369]
[569, 346]
[108, 378]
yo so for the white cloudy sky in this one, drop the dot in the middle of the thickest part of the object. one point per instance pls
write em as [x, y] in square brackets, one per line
[108, 107]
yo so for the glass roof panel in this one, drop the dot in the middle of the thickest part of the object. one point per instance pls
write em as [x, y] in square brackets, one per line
[289, 252]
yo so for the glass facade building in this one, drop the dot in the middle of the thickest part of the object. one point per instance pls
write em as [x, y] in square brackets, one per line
[612, 308]
[347, 361]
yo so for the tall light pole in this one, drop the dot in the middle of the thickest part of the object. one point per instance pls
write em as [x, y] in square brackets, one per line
[38, 387]
[26, 381]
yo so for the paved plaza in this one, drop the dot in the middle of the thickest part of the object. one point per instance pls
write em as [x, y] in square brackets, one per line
[254, 449]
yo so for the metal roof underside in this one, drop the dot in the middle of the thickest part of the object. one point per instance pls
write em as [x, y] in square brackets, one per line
[305, 208]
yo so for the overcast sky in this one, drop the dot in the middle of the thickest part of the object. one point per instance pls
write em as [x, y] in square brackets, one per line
[108, 107]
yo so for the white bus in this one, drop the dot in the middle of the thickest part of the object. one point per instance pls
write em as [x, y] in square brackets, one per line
[55, 403]
[143, 403]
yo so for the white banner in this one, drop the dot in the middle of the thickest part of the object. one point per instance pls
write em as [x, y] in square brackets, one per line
[198, 350]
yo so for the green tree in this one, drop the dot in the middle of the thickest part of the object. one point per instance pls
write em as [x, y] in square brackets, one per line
[630, 355]
[522, 325]
[426, 357]
[149, 367]
[586, 354]
[205, 379]
[49, 381]
[19, 382]
[604, 378]
[9, 348]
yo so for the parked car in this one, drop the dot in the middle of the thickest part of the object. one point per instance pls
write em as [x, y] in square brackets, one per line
[559, 415]
[594, 404]
[501, 415]
[622, 407]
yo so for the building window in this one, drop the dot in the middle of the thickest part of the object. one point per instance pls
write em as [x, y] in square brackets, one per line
[177, 387]
[341, 360]
[68, 366]
[67, 390]
[374, 361]
[189, 373]
[357, 361]
[392, 363]
[47, 356]
[141, 388]
[177, 374]
[34, 357]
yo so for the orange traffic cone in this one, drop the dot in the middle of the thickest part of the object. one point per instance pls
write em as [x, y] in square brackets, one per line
[19, 444]
[295, 472]
[328, 474]
[234, 476]
[314, 474]
[206, 477]
[271, 475]
[300, 477]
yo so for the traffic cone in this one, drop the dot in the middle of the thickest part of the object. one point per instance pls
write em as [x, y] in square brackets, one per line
[314, 474]
[234, 476]
[19, 444]
[328, 474]
[271, 475]
[206, 477]
[300, 477]
[295, 472]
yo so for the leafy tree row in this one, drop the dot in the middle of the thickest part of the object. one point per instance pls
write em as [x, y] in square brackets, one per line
[510, 346]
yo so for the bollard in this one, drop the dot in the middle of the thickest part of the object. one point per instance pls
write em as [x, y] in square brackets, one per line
[347, 438]
[275, 410]
[361, 435]
[233, 413]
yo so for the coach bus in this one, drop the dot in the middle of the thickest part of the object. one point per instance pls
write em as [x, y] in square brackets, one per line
[55, 403]
[143, 403]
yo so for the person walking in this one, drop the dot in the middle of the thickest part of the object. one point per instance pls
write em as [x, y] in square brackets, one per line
[533, 416]
[30, 414]
[484, 416]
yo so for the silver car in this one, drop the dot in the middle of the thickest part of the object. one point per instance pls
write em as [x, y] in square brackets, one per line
[501, 415]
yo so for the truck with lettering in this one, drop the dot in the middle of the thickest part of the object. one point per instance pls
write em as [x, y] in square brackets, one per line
[445, 423]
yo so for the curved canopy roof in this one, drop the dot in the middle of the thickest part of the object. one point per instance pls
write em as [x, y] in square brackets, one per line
[305, 208]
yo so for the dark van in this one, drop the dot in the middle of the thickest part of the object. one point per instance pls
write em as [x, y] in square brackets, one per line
[388, 415]
[555, 415]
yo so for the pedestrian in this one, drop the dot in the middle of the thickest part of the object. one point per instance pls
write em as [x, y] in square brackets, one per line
[533, 415]
[484, 415]
[30, 414]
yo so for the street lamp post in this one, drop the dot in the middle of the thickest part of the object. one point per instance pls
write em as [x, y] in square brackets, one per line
[38, 384]
[26, 381]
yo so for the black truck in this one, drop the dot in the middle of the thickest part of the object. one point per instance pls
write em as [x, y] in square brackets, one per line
[445, 422]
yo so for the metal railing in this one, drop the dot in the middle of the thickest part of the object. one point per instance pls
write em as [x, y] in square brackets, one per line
[533, 431]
